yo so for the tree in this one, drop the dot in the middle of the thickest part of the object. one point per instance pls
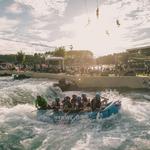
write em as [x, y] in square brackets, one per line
[29, 60]
[8, 58]
[59, 52]
[20, 57]
[106, 60]
[38, 58]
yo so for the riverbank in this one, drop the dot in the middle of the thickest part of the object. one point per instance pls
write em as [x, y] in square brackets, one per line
[93, 82]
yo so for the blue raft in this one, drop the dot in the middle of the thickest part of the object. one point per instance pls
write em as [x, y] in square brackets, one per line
[110, 109]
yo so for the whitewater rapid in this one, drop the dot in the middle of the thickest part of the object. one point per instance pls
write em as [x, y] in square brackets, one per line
[20, 129]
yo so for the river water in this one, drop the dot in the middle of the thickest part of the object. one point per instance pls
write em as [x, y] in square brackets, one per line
[20, 129]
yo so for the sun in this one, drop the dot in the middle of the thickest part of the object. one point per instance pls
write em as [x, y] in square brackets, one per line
[102, 35]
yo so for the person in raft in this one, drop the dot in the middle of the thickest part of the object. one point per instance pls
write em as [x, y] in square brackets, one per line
[96, 102]
[76, 103]
[67, 104]
[56, 104]
[41, 103]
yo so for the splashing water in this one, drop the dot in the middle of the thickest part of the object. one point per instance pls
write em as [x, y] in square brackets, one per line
[22, 92]
[20, 129]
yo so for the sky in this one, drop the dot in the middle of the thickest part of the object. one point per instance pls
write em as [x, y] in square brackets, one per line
[42, 25]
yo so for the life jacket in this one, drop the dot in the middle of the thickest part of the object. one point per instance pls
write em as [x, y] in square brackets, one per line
[80, 104]
[41, 102]
[84, 99]
[73, 102]
[66, 105]
[56, 106]
[95, 104]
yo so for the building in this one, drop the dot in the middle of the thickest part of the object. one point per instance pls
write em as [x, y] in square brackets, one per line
[79, 54]
[140, 51]
[79, 58]
[141, 54]
[139, 59]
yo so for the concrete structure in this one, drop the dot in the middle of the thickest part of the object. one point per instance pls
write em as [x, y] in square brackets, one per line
[140, 50]
[95, 82]
[113, 82]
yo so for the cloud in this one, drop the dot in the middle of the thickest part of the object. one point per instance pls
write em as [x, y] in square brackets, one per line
[133, 17]
[38, 29]
[45, 7]
[14, 8]
[38, 24]
[12, 46]
[33, 20]
[7, 24]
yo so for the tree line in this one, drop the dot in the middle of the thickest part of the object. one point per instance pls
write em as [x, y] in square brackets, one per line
[137, 56]
[36, 58]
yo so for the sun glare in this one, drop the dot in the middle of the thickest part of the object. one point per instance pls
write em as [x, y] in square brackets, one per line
[101, 34]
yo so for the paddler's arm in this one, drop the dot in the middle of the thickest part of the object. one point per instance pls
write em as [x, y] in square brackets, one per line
[36, 104]
[44, 101]
[103, 102]
[104, 98]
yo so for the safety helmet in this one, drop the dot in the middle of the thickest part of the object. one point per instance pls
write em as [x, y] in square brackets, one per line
[74, 96]
[78, 98]
[38, 96]
[83, 95]
[98, 95]
[67, 98]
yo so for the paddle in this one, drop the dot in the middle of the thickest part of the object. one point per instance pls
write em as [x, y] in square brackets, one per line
[104, 98]
[48, 108]
[33, 110]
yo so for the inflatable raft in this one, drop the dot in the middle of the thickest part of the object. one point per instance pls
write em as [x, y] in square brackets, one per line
[110, 109]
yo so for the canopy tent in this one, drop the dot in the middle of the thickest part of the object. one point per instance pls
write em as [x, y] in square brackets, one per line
[60, 61]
